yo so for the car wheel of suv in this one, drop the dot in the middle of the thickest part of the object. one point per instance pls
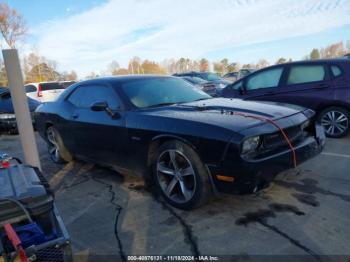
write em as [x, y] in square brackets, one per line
[58, 153]
[335, 120]
[181, 176]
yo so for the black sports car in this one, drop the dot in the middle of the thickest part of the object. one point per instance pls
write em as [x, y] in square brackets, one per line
[186, 142]
[7, 115]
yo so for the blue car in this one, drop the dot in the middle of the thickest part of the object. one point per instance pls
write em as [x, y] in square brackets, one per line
[7, 115]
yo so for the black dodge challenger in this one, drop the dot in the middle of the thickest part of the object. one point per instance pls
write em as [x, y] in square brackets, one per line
[183, 140]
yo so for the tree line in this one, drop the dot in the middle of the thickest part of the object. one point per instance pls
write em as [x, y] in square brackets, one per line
[37, 68]
[170, 66]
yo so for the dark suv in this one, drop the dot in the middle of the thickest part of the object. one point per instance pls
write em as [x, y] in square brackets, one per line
[322, 85]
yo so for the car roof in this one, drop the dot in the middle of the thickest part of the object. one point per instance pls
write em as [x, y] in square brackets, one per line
[51, 82]
[315, 61]
[122, 79]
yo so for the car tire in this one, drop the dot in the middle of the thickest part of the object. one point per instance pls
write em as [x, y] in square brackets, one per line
[335, 120]
[57, 151]
[185, 184]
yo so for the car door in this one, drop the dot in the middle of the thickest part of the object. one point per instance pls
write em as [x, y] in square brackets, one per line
[261, 85]
[305, 84]
[96, 134]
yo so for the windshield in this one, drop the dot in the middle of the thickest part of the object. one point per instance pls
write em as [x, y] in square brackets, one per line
[210, 76]
[159, 91]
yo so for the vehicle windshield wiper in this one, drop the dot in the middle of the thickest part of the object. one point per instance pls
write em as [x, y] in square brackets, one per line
[161, 104]
[200, 99]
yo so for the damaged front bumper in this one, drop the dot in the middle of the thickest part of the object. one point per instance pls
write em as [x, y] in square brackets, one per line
[253, 174]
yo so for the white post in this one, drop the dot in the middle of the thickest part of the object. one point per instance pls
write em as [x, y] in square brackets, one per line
[20, 104]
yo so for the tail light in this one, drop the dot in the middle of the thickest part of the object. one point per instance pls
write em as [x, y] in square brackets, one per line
[39, 94]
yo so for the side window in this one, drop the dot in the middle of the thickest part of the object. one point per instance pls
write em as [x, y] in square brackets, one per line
[237, 85]
[85, 96]
[265, 79]
[336, 71]
[300, 74]
[30, 88]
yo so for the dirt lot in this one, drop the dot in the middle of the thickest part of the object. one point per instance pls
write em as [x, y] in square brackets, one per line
[306, 212]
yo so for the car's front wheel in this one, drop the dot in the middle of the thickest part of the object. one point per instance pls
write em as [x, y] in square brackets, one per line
[181, 176]
[335, 120]
[57, 151]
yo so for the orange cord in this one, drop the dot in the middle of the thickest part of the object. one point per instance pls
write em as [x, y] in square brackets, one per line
[280, 129]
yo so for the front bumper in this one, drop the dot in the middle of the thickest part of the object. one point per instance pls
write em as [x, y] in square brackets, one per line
[8, 124]
[250, 175]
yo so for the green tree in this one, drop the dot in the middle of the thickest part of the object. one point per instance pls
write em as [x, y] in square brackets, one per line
[315, 54]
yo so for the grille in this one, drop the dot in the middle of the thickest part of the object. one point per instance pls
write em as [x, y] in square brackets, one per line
[50, 254]
[276, 140]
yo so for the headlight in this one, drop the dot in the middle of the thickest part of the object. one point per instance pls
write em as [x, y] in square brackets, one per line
[7, 116]
[250, 145]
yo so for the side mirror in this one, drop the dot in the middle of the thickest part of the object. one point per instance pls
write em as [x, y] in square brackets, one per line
[103, 106]
[241, 90]
[99, 106]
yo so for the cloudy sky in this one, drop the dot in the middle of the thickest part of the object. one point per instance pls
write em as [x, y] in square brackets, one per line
[86, 35]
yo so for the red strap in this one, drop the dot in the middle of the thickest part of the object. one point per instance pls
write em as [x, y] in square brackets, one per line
[280, 129]
[16, 242]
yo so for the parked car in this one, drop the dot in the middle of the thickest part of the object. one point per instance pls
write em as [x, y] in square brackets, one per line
[203, 85]
[232, 76]
[7, 115]
[220, 83]
[244, 72]
[46, 91]
[177, 136]
[347, 56]
[322, 85]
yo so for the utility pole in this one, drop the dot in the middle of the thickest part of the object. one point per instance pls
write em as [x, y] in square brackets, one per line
[20, 104]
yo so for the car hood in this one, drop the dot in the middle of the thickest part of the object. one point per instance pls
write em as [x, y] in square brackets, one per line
[6, 105]
[216, 111]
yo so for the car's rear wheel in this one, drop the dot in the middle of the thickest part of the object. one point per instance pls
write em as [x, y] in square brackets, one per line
[57, 151]
[336, 121]
[181, 176]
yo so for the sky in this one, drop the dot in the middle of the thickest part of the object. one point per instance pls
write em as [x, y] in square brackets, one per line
[86, 35]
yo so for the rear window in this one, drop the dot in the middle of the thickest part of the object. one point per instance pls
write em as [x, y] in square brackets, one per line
[306, 74]
[53, 86]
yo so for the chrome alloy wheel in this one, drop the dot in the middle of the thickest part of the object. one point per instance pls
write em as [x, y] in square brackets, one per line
[176, 176]
[335, 123]
[53, 145]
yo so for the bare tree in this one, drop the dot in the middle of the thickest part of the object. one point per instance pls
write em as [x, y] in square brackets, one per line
[12, 25]
[113, 67]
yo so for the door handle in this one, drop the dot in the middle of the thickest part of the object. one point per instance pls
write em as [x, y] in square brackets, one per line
[323, 85]
[75, 116]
